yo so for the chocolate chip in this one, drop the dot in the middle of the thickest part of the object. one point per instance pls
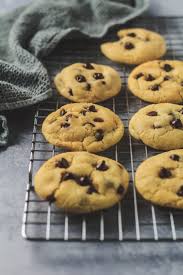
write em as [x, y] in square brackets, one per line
[139, 75]
[65, 125]
[51, 198]
[98, 119]
[91, 190]
[176, 123]
[175, 157]
[68, 176]
[88, 123]
[68, 116]
[98, 76]
[88, 87]
[180, 191]
[70, 92]
[165, 173]
[149, 77]
[99, 134]
[120, 190]
[84, 181]
[103, 82]
[131, 34]
[63, 163]
[92, 108]
[88, 66]
[167, 77]
[181, 83]
[155, 87]
[167, 67]
[129, 46]
[102, 166]
[153, 113]
[83, 112]
[62, 112]
[80, 78]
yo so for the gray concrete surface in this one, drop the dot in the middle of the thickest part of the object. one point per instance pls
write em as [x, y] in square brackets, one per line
[22, 257]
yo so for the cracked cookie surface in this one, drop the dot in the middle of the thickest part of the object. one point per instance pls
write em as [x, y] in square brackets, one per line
[159, 179]
[80, 182]
[159, 126]
[135, 46]
[83, 127]
[158, 81]
[88, 82]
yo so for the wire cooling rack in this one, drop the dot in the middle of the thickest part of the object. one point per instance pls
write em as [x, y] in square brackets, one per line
[133, 219]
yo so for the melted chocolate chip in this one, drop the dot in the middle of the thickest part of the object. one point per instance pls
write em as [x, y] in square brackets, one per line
[88, 123]
[88, 66]
[98, 76]
[80, 78]
[153, 113]
[102, 166]
[175, 157]
[65, 125]
[180, 191]
[91, 190]
[155, 87]
[84, 181]
[167, 67]
[83, 112]
[63, 163]
[131, 34]
[149, 77]
[167, 77]
[88, 87]
[176, 123]
[62, 112]
[92, 108]
[99, 134]
[181, 83]
[129, 46]
[120, 190]
[103, 82]
[165, 173]
[51, 198]
[68, 116]
[139, 75]
[68, 176]
[70, 92]
[98, 119]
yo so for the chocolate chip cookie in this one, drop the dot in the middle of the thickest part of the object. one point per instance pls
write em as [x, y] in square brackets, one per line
[83, 127]
[80, 182]
[88, 82]
[158, 81]
[159, 179]
[159, 126]
[135, 46]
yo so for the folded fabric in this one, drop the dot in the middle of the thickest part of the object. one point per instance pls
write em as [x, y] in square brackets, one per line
[30, 33]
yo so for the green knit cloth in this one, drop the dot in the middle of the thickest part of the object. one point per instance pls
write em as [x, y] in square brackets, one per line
[30, 33]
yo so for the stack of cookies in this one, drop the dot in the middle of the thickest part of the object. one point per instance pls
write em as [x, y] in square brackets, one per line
[82, 182]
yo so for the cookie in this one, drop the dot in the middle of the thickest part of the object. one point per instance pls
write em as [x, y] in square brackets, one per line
[159, 179]
[158, 81]
[159, 126]
[88, 82]
[83, 127]
[80, 182]
[135, 46]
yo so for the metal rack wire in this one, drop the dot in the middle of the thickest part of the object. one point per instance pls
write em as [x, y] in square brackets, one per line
[133, 219]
